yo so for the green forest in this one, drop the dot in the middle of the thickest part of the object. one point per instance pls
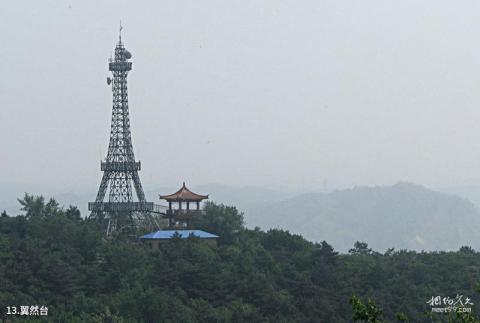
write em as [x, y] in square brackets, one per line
[52, 256]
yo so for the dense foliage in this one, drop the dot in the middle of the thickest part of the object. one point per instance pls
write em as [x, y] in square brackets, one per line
[51, 256]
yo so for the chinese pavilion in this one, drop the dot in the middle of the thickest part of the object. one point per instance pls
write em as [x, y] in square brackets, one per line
[183, 199]
[183, 206]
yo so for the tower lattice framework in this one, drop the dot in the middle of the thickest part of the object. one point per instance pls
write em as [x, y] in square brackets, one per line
[120, 170]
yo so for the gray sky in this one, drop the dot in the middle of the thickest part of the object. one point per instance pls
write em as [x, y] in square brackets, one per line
[244, 92]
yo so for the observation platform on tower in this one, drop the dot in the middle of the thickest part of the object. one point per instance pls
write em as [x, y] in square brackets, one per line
[126, 207]
[120, 166]
[120, 66]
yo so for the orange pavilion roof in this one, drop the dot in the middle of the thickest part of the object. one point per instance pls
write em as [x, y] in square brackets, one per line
[183, 194]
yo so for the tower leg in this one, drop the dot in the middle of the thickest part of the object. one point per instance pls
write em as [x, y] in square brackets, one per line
[138, 187]
[100, 195]
[103, 188]
[108, 227]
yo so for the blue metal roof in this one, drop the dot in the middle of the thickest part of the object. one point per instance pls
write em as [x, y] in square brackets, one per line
[168, 234]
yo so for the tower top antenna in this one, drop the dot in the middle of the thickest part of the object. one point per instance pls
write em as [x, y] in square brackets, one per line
[120, 33]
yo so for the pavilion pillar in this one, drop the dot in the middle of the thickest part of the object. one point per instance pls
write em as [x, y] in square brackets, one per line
[170, 214]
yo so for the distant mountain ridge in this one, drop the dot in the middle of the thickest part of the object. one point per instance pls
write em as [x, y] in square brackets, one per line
[405, 216]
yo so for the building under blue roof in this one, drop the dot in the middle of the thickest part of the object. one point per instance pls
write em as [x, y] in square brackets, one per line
[163, 236]
[169, 234]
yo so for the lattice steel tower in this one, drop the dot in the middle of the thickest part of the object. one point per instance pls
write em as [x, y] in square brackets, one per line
[120, 169]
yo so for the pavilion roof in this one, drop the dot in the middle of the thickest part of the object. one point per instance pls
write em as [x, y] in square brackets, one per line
[184, 194]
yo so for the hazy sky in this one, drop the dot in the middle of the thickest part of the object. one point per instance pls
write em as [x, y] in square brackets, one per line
[244, 92]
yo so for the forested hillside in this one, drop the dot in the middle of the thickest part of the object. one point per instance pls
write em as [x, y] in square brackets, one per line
[53, 257]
